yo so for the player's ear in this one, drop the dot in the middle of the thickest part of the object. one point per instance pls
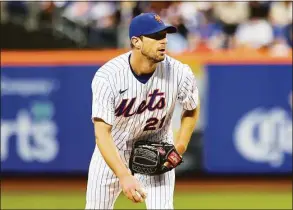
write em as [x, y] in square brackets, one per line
[136, 42]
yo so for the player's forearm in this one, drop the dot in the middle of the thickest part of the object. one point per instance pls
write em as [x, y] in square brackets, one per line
[109, 151]
[188, 122]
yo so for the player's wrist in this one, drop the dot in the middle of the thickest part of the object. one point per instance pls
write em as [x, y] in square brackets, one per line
[123, 173]
[180, 148]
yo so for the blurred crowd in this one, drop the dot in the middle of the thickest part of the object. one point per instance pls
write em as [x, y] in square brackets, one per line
[202, 25]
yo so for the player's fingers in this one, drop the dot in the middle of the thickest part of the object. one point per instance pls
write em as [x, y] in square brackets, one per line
[137, 197]
[168, 164]
[129, 196]
[141, 192]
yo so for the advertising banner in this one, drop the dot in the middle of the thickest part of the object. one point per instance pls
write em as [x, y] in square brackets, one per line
[249, 119]
[46, 118]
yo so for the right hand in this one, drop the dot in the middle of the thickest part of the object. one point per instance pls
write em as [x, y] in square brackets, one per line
[132, 189]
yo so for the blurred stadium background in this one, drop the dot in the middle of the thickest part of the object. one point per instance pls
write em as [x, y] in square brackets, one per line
[240, 155]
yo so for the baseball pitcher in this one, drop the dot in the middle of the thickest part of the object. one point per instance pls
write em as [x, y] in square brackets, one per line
[134, 96]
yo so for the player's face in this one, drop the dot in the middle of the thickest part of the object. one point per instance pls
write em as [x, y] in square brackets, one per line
[154, 46]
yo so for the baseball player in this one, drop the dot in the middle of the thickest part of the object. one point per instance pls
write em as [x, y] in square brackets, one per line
[134, 97]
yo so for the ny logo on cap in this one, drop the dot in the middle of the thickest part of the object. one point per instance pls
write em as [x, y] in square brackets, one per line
[158, 18]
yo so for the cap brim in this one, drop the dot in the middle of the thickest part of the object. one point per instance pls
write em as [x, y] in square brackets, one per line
[169, 29]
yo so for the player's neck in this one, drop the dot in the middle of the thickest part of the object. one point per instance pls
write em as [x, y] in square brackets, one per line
[140, 65]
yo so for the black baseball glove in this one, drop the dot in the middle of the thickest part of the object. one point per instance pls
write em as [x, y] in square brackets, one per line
[153, 158]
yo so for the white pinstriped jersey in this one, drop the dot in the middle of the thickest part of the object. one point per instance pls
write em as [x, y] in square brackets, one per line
[139, 111]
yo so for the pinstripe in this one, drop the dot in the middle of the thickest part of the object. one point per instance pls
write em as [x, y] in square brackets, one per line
[152, 194]
[173, 76]
[110, 85]
[143, 119]
[107, 189]
[134, 93]
[130, 126]
[167, 176]
[145, 93]
[185, 88]
[111, 194]
[161, 88]
[99, 199]
[119, 136]
[167, 76]
[109, 70]
[136, 128]
[91, 178]
[98, 88]
[98, 76]
[160, 194]
[104, 74]
[111, 80]
[121, 139]
[92, 188]
[118, 129]
[95, 180]
[155, 196]
[101, 186]
[121, 142]
[181, 77]
[165, 190]
[163, 110]
[189, 80]
[117, 67]
[153, 115]
[121, 118]
[126, 124]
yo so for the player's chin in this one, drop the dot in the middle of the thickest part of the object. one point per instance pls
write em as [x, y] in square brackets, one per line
[160, 57]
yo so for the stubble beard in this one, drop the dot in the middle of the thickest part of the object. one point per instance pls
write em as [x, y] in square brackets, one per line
[154, 58]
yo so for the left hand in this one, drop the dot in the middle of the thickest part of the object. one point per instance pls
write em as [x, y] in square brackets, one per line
[174, 158]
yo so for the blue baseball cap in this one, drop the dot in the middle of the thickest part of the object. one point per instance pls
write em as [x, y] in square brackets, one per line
[148, 23]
